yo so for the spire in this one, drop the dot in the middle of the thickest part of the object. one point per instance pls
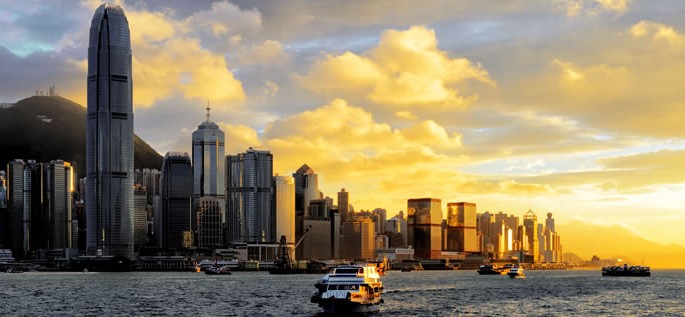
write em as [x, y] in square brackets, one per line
[208, 108]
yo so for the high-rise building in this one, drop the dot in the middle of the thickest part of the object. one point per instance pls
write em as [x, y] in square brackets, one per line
[343, 204]
[59, 183]
[208, 160]
[424, 218]
[18, 230]
[250, 216]
[284, 205]
[109, 136]
[359, 239]
[531, 231]
[396, 227]
[461, 227]
[210, 223]
[380, 215]
[306, 188]
[3, 190]
[175, 214]
[139, 216]
[551, 247]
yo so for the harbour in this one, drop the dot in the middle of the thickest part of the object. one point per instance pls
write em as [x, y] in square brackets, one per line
[421, 293]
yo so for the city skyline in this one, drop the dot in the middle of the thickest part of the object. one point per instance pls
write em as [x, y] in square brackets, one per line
[510, 106]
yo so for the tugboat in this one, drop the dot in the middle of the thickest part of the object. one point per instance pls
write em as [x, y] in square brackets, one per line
[516, 272]
[626, 270]
[349, 289]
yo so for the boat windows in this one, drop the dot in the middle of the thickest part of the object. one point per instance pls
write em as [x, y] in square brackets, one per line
[342, 287]
[352, 270]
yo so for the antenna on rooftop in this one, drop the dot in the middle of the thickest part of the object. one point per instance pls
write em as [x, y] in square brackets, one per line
[208, 108]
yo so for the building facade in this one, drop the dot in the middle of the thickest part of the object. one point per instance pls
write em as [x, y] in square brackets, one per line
[210, 223]
[176, 214]
[284, 205]
[109, 135]
[424, 218]
[461, 227]
[343, 204]
[359, 239]
[208, 160]
[250, 216]
[530, 224]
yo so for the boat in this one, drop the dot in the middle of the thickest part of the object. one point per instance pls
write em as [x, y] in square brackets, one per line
[516, 272]
[626, 270]
[488, 269]
[349, 289]
[218, 270]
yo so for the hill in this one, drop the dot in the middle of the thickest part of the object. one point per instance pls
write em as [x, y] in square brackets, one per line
[45, 128]
[587, 239]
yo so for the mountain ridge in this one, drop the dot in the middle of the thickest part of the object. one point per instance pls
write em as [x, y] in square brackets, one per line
[45, 128]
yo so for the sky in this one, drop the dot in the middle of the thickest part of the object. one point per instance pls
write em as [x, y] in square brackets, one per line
[573, 107]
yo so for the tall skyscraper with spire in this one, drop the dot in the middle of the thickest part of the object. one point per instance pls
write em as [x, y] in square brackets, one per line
[208, 160]
[109, 135]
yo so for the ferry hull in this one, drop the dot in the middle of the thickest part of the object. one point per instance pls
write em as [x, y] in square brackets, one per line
[345, 306]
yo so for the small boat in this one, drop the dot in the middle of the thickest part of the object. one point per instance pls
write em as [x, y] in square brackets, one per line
[626, 270]
[488, 269]
[516, 272]
[218, 270]
[349, 289]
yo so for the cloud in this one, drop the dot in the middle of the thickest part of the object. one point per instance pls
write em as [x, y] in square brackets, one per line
[658, 32]
[406, 69]
[574, 8]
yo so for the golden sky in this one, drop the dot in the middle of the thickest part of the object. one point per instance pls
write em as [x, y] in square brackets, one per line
[574, 107]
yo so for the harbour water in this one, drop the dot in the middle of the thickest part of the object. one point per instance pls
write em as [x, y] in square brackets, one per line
[419, 293]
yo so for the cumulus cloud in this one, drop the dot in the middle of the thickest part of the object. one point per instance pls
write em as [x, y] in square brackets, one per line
[406, 69]
[658, 32]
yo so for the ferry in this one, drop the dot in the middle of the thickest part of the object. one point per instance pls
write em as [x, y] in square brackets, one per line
[349, 289]
[218, 270]
[516, 272]
[626, 270]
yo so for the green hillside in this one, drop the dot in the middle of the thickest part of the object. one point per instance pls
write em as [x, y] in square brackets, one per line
[45, 128]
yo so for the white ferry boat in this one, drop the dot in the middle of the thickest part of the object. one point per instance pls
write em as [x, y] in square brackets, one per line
[349, 289]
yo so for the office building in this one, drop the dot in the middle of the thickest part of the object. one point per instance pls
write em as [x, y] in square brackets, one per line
[359, 239]
[139, 217]
[343, 204]
[109, 135]
[424, 218]
[210, 223]
[208, 160]
[531, 231]
[175, 216]
[250, 216]
[284, 205]
[461, 227]
[59, 186]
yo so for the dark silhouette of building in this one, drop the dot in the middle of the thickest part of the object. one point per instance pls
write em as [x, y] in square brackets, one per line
[176, 213]
[109, 135]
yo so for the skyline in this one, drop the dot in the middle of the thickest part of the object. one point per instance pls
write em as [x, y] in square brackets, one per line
[508, 106]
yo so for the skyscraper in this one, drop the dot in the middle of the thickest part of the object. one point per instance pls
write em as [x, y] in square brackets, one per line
[358, 241]
[424, 218]
[210, 223]
[59, 185]
[530, 223]
[250, 216]
[208, 160]
[284, 205]
[109, 136]
[343, 204]
[175, 214]
[461, 227]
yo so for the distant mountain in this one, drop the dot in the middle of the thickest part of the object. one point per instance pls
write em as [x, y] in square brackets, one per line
[586, 240]
[45, 128]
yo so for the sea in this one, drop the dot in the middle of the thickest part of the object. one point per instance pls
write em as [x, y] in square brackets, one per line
[417, 293]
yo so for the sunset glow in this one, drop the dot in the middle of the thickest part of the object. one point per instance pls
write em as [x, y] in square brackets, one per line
[574, 107]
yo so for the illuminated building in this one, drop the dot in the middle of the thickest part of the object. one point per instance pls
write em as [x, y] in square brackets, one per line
[531, 232]
[424, 218]
[284, 205]
[358, 239]
[109, 136]
[461, 227]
